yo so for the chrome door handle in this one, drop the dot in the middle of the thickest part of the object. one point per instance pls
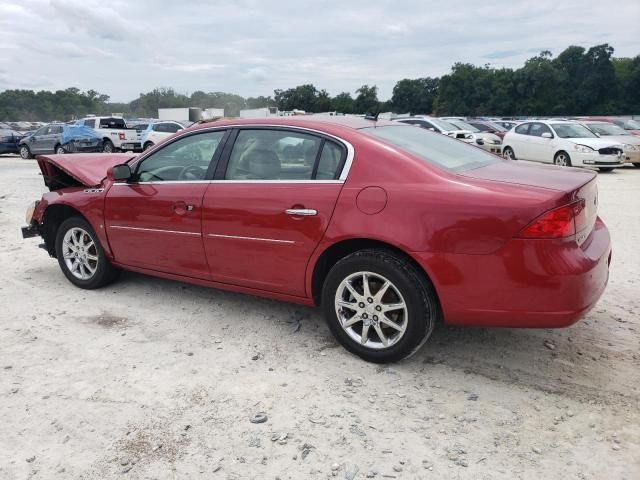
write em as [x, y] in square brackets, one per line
[303, 212]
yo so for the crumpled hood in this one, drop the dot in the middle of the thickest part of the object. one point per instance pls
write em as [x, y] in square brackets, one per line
[87, 168]
[595, 143]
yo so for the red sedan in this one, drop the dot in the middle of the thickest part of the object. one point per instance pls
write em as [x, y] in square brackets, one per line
[388, 227]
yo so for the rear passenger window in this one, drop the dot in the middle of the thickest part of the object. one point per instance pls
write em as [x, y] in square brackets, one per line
[330, 162]
[273, 155]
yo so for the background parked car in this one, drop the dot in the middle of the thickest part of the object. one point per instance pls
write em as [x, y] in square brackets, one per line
[489, 127]
[60, 138]
[438, 125]
[611, 131]
[158, 131]
[9, 140]
[114, 133]
[628, 124]
[565, 143]
[488, 141]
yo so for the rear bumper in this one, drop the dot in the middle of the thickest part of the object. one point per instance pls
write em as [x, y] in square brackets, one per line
[526, 284]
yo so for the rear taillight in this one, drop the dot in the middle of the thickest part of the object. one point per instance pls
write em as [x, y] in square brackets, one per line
[560, 222]
[121, 136]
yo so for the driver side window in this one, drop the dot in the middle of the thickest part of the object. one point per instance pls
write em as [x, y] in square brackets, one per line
[186, 159]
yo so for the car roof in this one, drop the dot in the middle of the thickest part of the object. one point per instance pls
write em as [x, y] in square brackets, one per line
[307, 121]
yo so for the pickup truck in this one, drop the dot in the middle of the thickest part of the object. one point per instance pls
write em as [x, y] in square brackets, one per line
[114, 132]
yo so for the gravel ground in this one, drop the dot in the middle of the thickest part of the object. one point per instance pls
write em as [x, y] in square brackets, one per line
[150, 378]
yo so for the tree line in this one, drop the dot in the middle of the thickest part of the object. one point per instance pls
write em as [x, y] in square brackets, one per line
[576, 82]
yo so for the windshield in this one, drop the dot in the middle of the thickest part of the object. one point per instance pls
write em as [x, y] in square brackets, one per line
[442, 124]
[440, 150]
[572, 130]
[607, 129]
[497, 127]
[463, 125]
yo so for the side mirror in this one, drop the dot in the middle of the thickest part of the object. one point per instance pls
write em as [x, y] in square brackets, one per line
[119, 173]
[546, 135]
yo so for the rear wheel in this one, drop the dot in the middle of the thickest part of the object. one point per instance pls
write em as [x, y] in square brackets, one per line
[148, 145]
[108, 147]
[637, 165]
[378, 305]
[25, 152]
[562, 159]
[81, 256]
[508, 153]
[60, 150]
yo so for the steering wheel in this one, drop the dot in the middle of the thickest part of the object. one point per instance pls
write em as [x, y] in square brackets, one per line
[192, 172]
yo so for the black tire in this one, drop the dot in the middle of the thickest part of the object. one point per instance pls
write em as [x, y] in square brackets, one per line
[105, 272]
[562, 159]
[605, 169]
[107, 147]
[25, 153]
[147, 146]
[419, 297]
[59, 150]
[507, 152]
[637, 165]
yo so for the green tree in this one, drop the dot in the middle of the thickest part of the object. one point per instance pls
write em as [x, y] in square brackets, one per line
[302, 97]
[415, 95]
[343, 103]
[367, 100]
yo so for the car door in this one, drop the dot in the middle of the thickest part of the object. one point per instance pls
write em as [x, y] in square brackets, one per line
[35, 141]
[154, 221]
[52, 138]
[519, 142]
[271, 202]
[540, 148]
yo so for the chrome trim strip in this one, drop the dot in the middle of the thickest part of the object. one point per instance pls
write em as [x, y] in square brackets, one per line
[236, 237]
[303, 212]
[187, 182]
[122, 227]
[345, 169]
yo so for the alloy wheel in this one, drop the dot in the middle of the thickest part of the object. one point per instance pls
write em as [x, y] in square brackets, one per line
[561, 160]
[371, 310]
[80, 253]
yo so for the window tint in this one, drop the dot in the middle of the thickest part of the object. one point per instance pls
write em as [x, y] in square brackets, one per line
[330, 162]
[90, 123]
[273, 155]
[183, 160]
[537, 129]
[522, 129]
[167, 127]
[439, 150]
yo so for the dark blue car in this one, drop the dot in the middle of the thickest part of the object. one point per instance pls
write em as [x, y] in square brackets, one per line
[9, 140]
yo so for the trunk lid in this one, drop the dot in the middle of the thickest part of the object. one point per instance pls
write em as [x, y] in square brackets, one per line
[573, 186]
[517, 172]
[88, 169]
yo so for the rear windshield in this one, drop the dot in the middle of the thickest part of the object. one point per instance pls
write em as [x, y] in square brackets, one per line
[110, 122]
[434, 148]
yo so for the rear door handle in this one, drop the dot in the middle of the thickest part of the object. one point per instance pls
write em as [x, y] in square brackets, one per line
[303, 212]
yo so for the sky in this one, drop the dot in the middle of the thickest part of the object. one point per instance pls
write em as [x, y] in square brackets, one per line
[251, 47]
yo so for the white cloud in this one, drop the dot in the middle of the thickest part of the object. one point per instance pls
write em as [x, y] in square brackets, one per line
[251, 47]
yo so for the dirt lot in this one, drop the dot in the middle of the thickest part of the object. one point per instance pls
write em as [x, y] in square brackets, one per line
[151, 378]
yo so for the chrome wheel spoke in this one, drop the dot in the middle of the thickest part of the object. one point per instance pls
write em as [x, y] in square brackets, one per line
[388, 307]
[79, 253]
[92, 257]
[390, 323]
[353, 291]
[380, 293]
[366, 291]
[364, 336]
[352, 321]
[381, 335]
[350, 305]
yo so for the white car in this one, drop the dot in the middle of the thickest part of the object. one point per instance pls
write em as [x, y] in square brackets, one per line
[438, 125]
[488, 141]
[158, 131]
[565, 143]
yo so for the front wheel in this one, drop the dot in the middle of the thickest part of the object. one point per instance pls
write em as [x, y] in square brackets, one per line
[637, 165]
[25, 153]
[81, 256]
[148, 145]
[107, 147]
[562, 159]
[508, 153]
[379, 306]
[60, 150]
[605, 169]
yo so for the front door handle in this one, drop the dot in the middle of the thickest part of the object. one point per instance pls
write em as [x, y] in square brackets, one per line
[181, 207]
[303, 212]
